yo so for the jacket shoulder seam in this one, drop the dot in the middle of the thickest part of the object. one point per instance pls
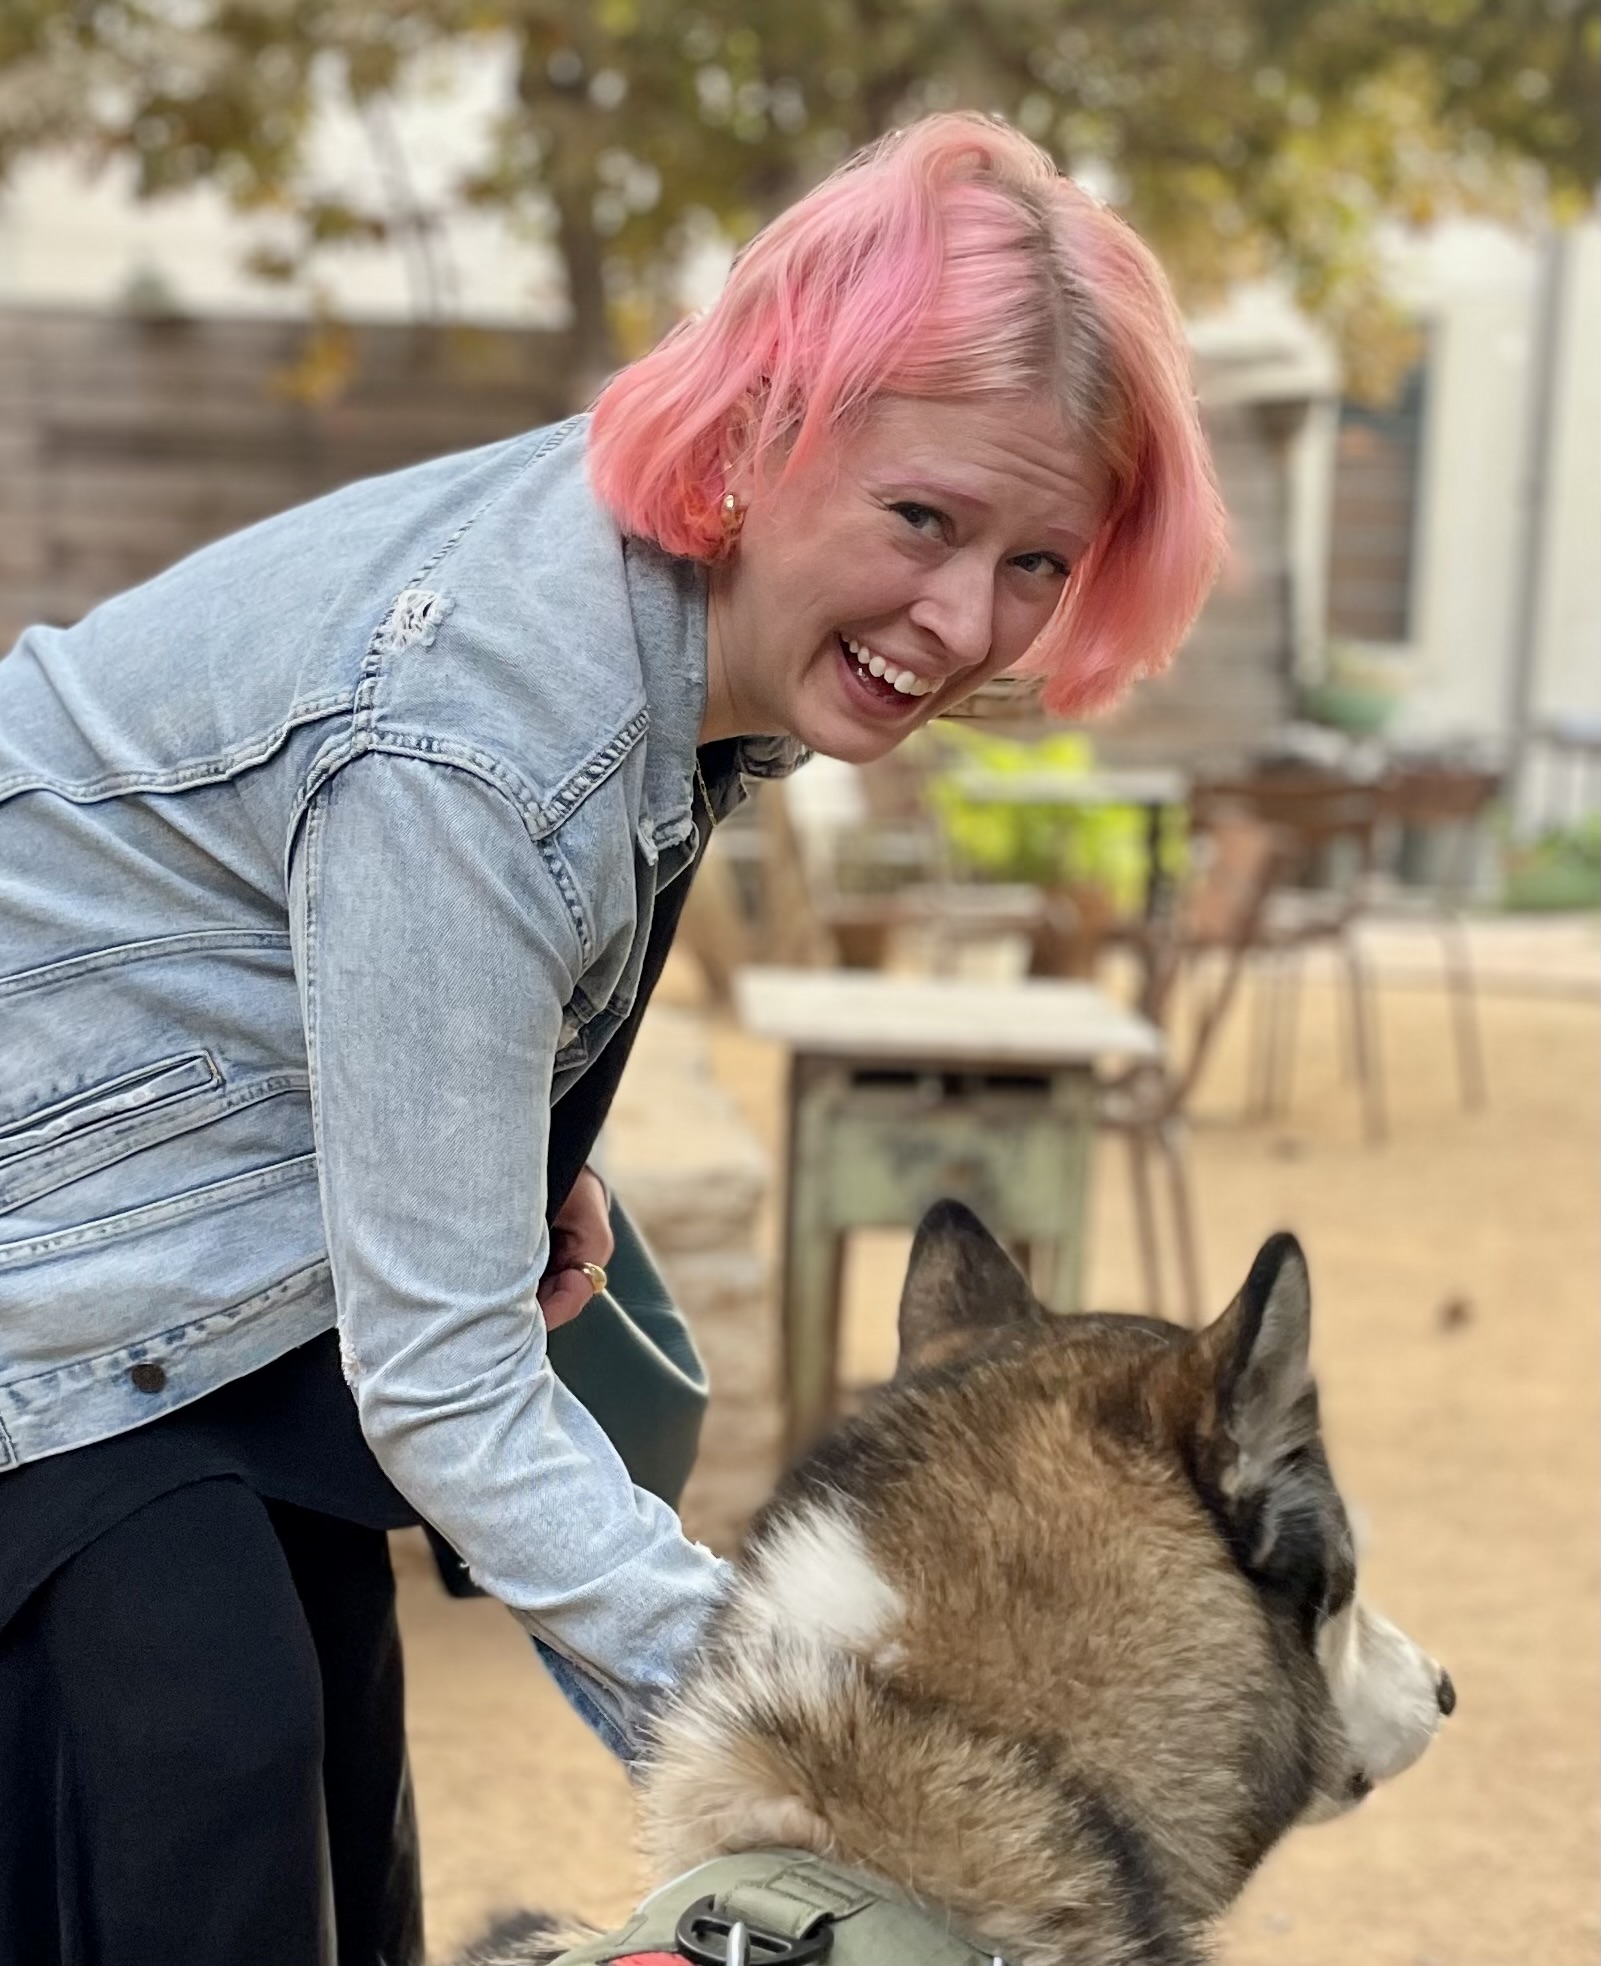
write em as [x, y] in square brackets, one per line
[536, 818]
[214, 770]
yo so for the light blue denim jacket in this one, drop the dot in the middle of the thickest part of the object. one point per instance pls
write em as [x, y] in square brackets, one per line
[327, 859]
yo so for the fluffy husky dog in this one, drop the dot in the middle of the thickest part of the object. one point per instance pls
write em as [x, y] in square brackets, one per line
[1059, 1634]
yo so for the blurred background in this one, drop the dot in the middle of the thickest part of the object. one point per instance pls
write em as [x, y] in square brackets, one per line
[1305, 935]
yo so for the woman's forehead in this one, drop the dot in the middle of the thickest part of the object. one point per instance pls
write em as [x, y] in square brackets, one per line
[1015, 454]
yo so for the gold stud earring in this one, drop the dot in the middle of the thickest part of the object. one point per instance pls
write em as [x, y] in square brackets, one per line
[733, 516]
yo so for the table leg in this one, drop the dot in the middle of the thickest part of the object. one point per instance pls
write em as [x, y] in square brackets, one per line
[1073, 1097]
[813, 1265]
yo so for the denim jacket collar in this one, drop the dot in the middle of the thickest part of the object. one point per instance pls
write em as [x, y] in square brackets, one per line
[667, 598]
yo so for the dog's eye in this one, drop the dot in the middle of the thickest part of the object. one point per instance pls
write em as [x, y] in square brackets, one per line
[1341, 1589]
[1295, 1564]
[1341, 1568]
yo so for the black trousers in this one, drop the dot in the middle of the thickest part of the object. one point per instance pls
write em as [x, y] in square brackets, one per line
[207, 1753]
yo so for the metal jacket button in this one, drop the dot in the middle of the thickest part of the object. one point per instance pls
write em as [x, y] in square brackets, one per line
[148, 1378]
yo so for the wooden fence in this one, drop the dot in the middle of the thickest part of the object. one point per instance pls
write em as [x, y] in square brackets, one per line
[125, 444]
[1230, 687]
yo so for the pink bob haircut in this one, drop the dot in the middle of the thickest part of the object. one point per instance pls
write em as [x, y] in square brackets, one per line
[951, 261]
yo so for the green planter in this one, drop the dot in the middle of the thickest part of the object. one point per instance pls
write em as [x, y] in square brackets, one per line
[1560, 872]
[1358, 711]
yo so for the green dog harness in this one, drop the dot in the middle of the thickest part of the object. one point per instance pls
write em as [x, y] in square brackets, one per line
[779, 1908]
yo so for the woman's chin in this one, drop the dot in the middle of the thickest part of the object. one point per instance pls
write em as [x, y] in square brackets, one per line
[845, 716]
[849, 742]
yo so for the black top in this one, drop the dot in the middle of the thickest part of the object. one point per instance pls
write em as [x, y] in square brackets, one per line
[289, 1430]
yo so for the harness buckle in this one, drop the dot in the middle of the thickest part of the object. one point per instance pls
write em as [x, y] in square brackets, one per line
[709, 1938]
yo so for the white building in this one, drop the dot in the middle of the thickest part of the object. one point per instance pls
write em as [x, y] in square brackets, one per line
[1505, 623]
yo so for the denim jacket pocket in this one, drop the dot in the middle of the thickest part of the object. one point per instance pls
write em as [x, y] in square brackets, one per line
[97, 1125]
[212, 1198]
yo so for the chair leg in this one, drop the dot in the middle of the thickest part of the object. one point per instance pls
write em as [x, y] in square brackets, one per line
[1264, 1014]
[1285, 1033]
[1145, 1220]
[1345, 1048]
[1170, 1137]
[1365, 1041]
[1458, 953]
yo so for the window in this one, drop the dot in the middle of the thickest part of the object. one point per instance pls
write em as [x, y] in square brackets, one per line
[1374, 523]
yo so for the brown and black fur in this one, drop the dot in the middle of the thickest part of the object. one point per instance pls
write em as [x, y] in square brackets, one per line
[1113, 1549]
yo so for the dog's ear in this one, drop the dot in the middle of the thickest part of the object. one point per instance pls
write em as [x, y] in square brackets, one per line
[1262, 1416]
[960, 1283]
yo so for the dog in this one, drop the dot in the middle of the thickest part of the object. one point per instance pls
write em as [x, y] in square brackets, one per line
[1056, 1637]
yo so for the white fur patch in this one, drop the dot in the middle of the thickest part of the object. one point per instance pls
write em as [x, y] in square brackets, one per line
[814, 1579]
[810, 1611]
[1385, 1690]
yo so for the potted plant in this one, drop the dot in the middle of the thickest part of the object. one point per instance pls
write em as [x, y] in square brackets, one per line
[1092, 857]
[1360, 689]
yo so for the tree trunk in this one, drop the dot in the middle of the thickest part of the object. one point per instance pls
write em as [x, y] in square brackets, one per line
[594, 348]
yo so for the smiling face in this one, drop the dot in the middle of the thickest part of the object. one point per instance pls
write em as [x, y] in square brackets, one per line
[878, 586]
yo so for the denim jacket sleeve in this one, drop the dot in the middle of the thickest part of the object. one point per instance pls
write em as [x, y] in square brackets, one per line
[435, 951]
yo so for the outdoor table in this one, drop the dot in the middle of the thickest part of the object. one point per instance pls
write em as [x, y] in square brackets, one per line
[1153, 789]
[904, 1090]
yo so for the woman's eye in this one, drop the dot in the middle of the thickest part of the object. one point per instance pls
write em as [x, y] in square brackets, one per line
[1047, 563]
[921, 518]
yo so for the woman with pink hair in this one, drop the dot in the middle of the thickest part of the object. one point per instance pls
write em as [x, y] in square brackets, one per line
[337, 864]
[947, 297]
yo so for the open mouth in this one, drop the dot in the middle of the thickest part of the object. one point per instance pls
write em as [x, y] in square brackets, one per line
[888, 688]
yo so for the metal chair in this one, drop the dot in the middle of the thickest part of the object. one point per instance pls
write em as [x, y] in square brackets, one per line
[1213, 926]
[1329, 827]
[1443, 806]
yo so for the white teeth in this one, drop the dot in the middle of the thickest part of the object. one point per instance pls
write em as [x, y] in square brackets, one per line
[902, 680]
[905, 681]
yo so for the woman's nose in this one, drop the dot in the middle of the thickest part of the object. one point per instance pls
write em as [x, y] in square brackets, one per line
[958, 606]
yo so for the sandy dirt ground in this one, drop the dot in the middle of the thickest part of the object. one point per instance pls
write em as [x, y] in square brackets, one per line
[1455, 1278]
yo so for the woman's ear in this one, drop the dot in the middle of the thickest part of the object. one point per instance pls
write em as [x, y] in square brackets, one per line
[736, 486]
[737, 452]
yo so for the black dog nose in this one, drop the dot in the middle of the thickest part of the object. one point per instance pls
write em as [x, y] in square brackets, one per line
[1445, 1693]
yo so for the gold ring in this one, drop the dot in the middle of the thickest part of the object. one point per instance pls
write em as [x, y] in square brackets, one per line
[596, 1275]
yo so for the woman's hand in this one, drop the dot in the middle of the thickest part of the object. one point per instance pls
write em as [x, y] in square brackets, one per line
[581, 1233]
